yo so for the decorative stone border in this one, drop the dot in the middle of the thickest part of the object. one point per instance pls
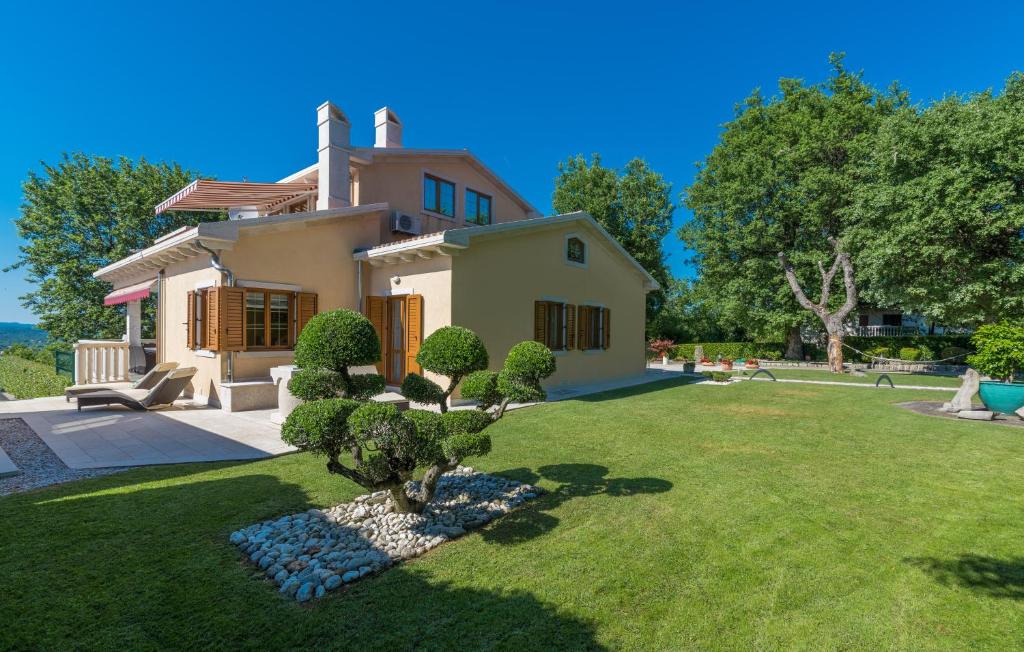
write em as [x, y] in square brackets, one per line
[313, 552]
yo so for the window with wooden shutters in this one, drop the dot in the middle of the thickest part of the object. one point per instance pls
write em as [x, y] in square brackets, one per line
[213, 315]
[376, 311]
[413, 332]
[593, 332]
[190, 321]
[232, 322]
[250, 319]
[306, 309]
[549, 324]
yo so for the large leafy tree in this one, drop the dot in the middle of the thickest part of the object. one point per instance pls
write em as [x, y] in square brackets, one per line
[940, 215]
[781, 179]
[634, 206]
[82, 214]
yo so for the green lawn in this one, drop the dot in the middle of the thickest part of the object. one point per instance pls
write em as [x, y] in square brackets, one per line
[750, 516]
[898, 379]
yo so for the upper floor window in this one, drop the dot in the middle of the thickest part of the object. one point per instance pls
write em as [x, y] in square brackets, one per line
[575, 251]
[478, 207]
[438, 195]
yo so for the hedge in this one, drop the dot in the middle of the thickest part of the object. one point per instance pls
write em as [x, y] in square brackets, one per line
[928, 346]
[732, 350]
[29, 379]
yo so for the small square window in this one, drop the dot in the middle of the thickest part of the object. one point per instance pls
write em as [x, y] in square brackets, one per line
[576, 251]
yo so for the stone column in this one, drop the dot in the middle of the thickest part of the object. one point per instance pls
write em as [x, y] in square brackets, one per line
[285, 401]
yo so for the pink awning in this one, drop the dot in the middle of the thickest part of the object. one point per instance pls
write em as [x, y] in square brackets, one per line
[130, 293]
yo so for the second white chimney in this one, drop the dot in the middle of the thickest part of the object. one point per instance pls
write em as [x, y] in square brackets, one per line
[333, 189]
[388, 128]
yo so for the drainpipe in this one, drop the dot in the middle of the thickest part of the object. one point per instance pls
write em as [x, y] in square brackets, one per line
[160, 352]
[359, 283]
[217, 265]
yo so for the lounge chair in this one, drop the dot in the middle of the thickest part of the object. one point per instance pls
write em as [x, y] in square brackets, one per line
[149, 381]
[161, 396]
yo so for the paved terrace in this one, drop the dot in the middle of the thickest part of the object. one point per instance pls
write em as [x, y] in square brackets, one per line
[98, 437]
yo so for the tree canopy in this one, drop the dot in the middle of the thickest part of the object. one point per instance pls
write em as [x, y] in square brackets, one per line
[81, 214]
[634, 206]
[781, 178]
[937, 221]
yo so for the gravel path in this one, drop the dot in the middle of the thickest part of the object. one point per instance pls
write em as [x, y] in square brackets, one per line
[39, 465]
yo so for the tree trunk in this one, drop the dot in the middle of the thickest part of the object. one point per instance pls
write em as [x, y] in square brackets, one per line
[401, 500]
[794, 344]
[833, 321]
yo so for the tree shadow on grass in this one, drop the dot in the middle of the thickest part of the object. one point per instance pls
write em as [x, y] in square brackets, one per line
[575, 481]
[149, 566]
[997, 578]
[637, 390]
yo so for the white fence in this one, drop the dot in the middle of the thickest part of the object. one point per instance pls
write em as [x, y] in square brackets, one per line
[886, 331]
[101, 361]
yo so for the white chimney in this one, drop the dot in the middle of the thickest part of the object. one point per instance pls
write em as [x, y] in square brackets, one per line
[389, 128]
[333, 190]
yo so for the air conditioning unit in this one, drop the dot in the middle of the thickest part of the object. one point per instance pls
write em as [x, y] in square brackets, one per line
[405, 223]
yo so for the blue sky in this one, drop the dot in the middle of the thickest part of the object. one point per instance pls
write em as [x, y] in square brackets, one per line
[231, 91]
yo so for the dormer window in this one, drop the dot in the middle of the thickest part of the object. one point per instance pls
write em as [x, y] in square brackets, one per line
[438, 195]
[575, 251]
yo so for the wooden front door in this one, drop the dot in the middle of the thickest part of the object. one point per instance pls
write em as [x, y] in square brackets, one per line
[394, 350]
[398, 321]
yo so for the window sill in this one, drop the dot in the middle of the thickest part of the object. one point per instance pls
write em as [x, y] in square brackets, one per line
[204, 353]
[559, 352]
[269, 353]
[440, 216]
[593, 351]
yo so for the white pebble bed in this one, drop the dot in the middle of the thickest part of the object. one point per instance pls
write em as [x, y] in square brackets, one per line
[313, 552]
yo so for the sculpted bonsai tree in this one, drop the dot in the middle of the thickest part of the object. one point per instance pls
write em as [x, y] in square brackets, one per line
[450, 351]
[379, 448]
[329, 344]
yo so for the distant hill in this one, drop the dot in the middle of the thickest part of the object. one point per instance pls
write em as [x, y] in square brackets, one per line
[15, 333]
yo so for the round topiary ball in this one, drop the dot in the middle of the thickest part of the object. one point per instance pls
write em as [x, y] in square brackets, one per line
[529, 361]
[320, 426]
[336, 339]
[453, 351]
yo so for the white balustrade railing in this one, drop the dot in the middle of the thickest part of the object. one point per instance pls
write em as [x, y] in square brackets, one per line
[885, 331]
[101, 361]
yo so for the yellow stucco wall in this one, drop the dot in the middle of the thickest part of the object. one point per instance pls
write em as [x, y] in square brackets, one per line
[172, 344]
[400, 183]
[430, 278]
[497, 279]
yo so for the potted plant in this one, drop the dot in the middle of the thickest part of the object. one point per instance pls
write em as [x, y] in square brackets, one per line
[662, 348]
[726, 364]
[751, 363]
[689, 366]
[1000, 355]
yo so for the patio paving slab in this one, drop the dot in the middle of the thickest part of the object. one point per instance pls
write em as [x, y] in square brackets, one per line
[115, 437]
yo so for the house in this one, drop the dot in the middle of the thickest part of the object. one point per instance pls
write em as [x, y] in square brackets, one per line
[416, 239]
[893, 322]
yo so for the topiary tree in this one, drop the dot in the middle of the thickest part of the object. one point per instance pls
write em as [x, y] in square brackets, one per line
[1000, 351]
[387, 446]
[330, 343]
[451, 351]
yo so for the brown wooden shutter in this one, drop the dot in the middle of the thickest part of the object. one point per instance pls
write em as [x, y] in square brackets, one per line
[607, 328]
[190, 321]
[232, 319]
[306, 307]
[570, 327]
[413, 332]
[540, 321]
[376, 312]
[582, 319]
[211, 318]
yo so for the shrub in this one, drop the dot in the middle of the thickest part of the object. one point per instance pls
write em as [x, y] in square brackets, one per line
[453, 351]
[661, 347]
[909, 353]
[527, 364]
[329, 344]
[731, 350]
[336, 339]
[422, 390]
[717, 376]
[1000, 350]
[482, 386]
[959, 354]
[320, 426]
